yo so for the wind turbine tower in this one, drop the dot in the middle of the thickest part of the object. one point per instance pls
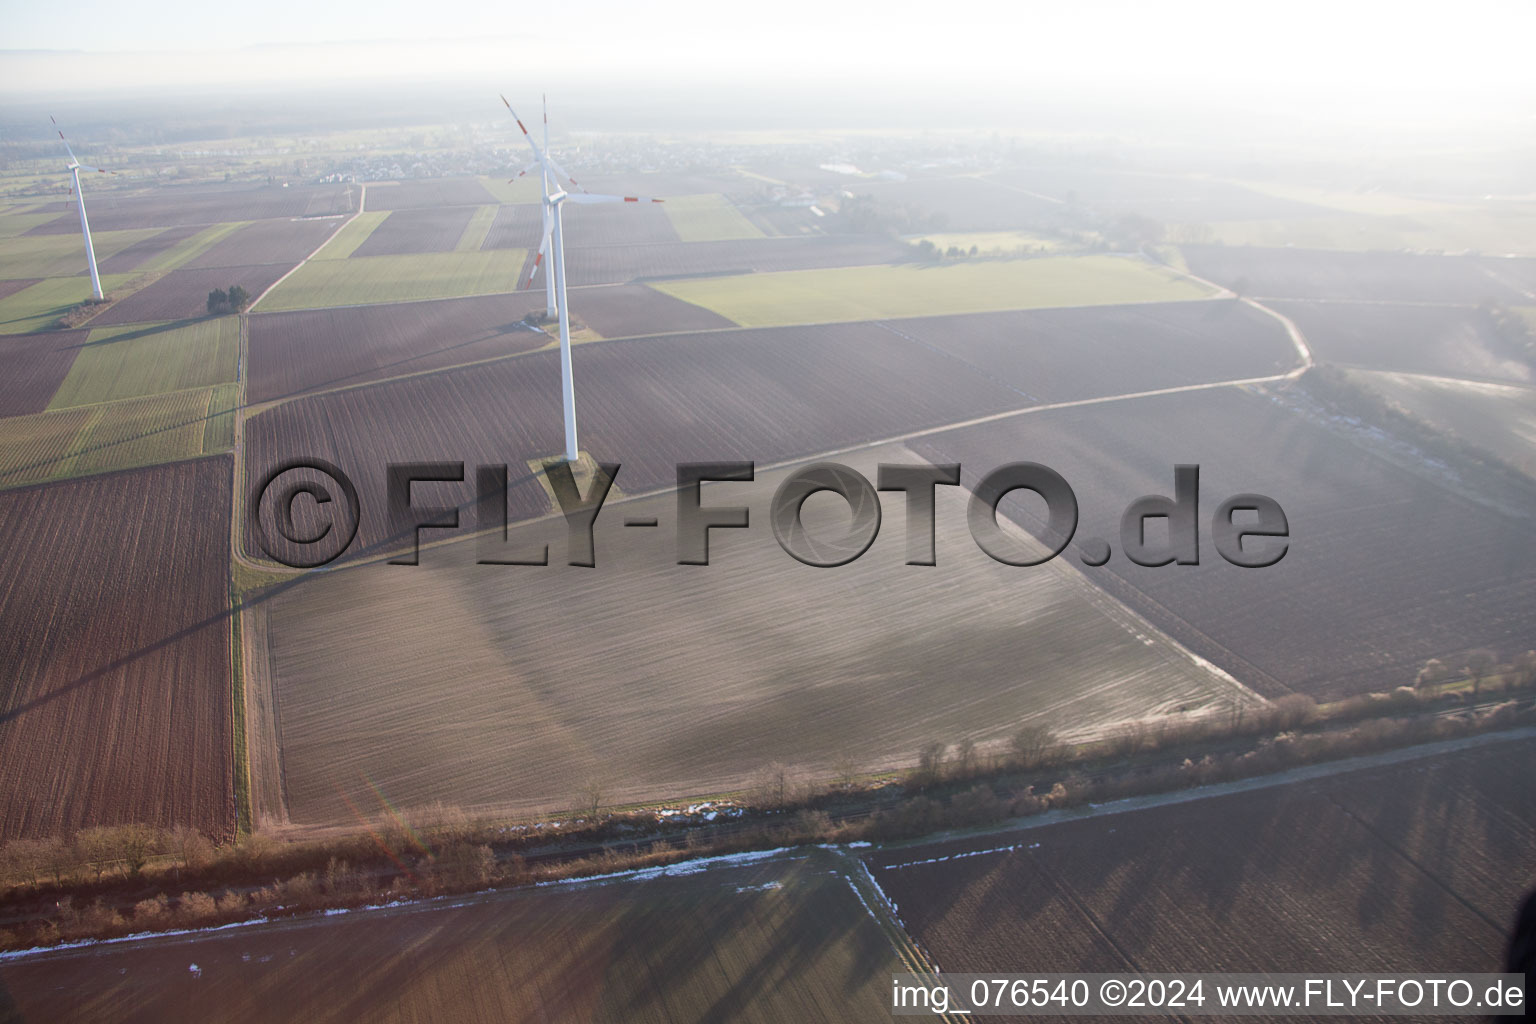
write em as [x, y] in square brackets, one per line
[553, 243]
[74, 168]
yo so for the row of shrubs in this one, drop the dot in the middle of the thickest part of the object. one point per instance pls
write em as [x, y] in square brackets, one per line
[412, 870]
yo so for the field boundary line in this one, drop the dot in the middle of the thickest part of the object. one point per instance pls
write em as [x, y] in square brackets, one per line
[732, 329]
[362, 201]
[1288, 777]
[799, 460]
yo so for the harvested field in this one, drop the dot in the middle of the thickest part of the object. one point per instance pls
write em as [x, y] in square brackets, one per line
[787, 221]
[32, 366]
[1499, 419]
[175, 205]
[961, 204]
[1389, 563]
[99, 438]
[14, 223]
[126, 362]
[1064, 354]
[302, 350]
[1163, 197]
[1414, 867]
[618, 224]
[183, 294]
[708, 218]
[436, 229]
[1519, 274]
[517, 190]
[63, 255]
[8, 288]
[193, 245]
[616, 311]
[617, 264]
[1414, 339]
[160, 245]
[759, 943]
[268, 241]
[764, 659]
[411, 195]
[439, 275]
[114, 659]
[479, 226]
[766, 395]
[351, 235]
[665, 184]
[1376, 276]
[38, 307]
[515, 227]
[867, 293]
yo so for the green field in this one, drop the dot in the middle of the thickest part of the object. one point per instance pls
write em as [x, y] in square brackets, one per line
[708, 218]
[478, 227]
[100, 438]
[38, 307]
[13, 223]
[519, 190]
[872, 293]
[405, 278]
[219, 432]
[352, 234]
[27, 256]
[189, 248]
[127, 362]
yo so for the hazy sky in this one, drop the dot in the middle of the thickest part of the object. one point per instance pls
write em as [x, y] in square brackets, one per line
[1373, 54]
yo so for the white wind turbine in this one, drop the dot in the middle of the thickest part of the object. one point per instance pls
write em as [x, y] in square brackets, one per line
[74, 168]
[554, 235]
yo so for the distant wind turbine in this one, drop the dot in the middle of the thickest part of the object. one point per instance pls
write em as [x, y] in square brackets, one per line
[554, 238]
[74, 168]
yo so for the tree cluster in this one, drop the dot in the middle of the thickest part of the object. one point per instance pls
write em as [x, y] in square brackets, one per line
[233, 300]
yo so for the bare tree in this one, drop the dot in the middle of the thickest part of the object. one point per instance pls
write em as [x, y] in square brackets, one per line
[57, 857]
[846, 767]
[776, 784]
[1033, 746]
[930, 762]
[1433, 673]
[1479, 663]
[592, 796]
[135, 844]
[189, 848]
[98, 847]
[965, 758]
[20, 861]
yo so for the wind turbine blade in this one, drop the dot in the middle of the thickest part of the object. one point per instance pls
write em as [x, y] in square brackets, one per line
[531, 167]
[562, 172]
[538, 258]
[72, 158]
[591, 198]
[538, 153]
